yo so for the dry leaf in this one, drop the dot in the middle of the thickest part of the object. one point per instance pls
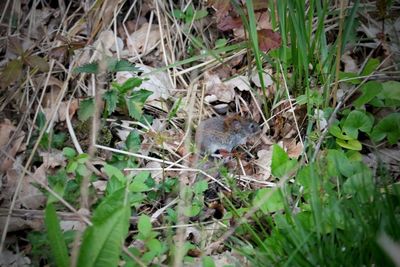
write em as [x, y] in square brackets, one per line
[30, 196]
[62, 111]
[6, 131]
[350, 65]
[264, 163]
[136, 41]
[53, 158]
[266, 77]
[268, 39]
[240, 82]
[221, 91]
[294, 150]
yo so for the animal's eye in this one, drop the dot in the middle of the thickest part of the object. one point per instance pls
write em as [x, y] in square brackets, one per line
[251, 126]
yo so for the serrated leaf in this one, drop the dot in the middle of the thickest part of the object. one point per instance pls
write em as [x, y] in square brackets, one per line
[136, 102]
[199, 14]
[56, 239]
[39, 62]
[133, 141]
[111, 98]
[86, 109]
[122, 65]
[130, 84]
[88, 68]
[356, 121]
[144, 225]
[388, 127]
[103, 240]
[200, 186]
[69, 152]
[271, 200]
[369, 90]
[11, 73]
[138, 183]
[111, 171]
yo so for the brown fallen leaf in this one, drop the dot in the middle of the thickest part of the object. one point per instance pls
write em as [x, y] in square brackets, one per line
[268, 39]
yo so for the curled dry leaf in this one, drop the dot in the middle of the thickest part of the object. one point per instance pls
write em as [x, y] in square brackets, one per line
[30, 196]
[137, 40]
[106, 43]
[293, 149]
[350, 64]
[215, 87]
[264, 159]
[53, 158]
[268, 39]
[266, 78]
[6, 131]
[240, 82]
[61, 113]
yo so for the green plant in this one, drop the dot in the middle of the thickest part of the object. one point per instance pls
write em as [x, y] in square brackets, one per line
[189, 14]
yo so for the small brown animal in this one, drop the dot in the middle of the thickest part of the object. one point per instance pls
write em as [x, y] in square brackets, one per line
[224, 133]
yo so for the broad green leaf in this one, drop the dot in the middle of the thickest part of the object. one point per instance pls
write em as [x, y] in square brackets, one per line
[37, 62]
[178, 14]
[86, 109]
[281, 164]
[192, 210]
[337, 132]
[207, 261]
[154, 245]
[123, 65]
[388, 127]
[338, 163]
[102, 242]
[82, 158]
[11, 73]
[200, 186]
[220, 43]
[355, 121]
[88, 68]
[56, 239]
[369, 90]
[71, 166]
[199, 14]
[349, 144]
[391, 90]
[349, 77]
[138, 183]
[271, 199]
[111, 98]
[113, 171]
[69, 152]
[130, 84]
[371, 65]
[82, 170]
[136, 102]
[144, 225]
[360, 184]
[133, 141]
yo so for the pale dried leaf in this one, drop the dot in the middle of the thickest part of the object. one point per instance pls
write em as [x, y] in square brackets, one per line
[136, 41]
[53, 158]
[240, 82]
[214, 86]
[264, 159]
[266, 77]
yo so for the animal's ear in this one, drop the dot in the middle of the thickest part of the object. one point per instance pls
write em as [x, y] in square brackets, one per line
[236, 125]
